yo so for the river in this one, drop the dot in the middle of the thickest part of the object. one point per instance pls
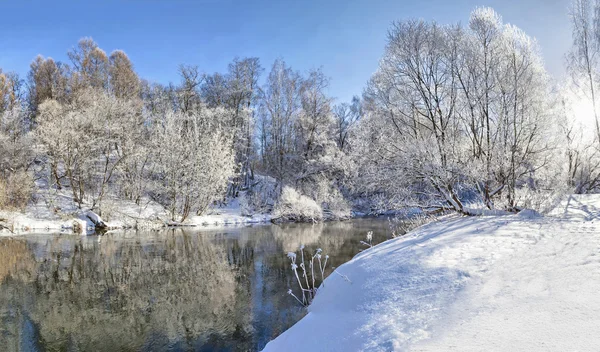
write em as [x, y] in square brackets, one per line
[172, 290]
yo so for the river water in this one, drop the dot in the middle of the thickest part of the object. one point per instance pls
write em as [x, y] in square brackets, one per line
[171, 290]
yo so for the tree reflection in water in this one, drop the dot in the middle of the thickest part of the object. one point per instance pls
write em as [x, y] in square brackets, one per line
[169, 290]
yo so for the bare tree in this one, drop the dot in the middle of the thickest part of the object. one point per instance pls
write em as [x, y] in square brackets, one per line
[188, 96]
[10, 91]
[90, 65]
[46, 80]
[124, 82]
[279, 110]
[346, 116]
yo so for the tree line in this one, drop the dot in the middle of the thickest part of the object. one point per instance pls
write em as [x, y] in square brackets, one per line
[454, 115]
[94, 128]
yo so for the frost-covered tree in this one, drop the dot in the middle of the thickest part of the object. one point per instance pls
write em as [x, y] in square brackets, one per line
[87, 140]
[243, 75]
[584, 57]
[16, 159]
[10, 91]
[316, 118]
[452, 112]
[580, 123]
[193, 172]
[237, 90]
[346, 116]
[412, 101]
[527, 117]
[280, 106]
[188, 96]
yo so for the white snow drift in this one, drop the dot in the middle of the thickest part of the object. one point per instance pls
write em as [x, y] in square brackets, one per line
[490, 283]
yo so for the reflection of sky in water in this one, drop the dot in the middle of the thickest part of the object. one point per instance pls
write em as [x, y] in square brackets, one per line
[167, 290]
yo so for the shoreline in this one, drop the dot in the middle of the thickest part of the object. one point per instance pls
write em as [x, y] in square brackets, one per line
[26, 225]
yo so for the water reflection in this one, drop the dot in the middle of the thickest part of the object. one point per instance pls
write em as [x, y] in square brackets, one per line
[174, 290]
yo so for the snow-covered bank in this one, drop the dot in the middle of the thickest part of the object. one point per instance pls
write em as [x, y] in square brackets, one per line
[55, 212]
[492, 283]
[228, 215]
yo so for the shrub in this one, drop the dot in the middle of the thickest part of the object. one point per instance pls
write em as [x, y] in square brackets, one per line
[336, 207]
[292, 206]
[16, 191]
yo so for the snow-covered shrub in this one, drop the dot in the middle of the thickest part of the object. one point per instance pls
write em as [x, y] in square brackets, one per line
[529, 214]
[292, 206]
[543, 200]
[327, 194]
[336, 207]
[19, 189]
[380, 204]
[16, 159]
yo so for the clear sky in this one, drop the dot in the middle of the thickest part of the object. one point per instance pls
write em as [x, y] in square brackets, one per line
[344, 37]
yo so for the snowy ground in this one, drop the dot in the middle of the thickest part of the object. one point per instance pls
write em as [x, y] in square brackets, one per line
[492, 283]
[228, 215]
[53, 211]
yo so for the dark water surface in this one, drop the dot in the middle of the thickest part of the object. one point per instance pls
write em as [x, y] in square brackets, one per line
[176, 290]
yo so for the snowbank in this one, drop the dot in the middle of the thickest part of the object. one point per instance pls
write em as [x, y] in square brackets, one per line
[490, 283]
[54, 211]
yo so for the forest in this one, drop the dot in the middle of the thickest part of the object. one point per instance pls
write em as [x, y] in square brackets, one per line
[457, 117]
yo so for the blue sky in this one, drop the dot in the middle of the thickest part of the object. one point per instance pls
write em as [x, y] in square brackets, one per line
[345, 38]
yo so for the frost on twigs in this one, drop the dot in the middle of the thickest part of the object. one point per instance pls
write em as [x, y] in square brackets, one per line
[308, 283]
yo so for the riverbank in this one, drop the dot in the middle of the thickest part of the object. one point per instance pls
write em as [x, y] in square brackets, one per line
[129, 216]
[490, 283]
[53, 211]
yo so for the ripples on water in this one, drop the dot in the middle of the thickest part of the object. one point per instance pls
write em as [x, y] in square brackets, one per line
[178, 290]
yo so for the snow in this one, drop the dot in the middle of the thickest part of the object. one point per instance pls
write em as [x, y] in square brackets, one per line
[54, 211]
[488, 283]
[228, 215]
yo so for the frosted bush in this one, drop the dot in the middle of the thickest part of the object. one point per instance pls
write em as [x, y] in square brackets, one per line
[292, 206]
[16, 190]
[326, 193]
[336, 207]
[541, 200]
[380, 203]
